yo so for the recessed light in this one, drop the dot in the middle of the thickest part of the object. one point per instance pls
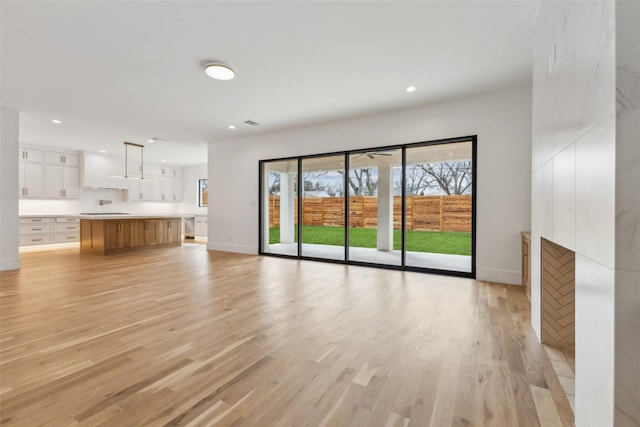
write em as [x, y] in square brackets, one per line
[103, 151]
[232, 127]
[411, 89]
[56, 121]
[151, 140]
[163, 161]
[219, 71]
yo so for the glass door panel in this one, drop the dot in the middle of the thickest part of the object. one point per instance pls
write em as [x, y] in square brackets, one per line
[323, 207]
[280, 207]
[438, 217]
[375, 192]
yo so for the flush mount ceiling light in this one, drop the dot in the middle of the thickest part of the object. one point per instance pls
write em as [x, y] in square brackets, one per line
[232, 127]
[219, 71]
[411, 89]
[56, 121]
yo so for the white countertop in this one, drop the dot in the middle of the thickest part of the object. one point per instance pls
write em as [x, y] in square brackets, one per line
[107, 215]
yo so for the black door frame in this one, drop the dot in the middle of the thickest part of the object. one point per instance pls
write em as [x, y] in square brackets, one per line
[403, 147]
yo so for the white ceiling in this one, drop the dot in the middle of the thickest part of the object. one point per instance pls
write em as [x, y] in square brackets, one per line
[127, 71]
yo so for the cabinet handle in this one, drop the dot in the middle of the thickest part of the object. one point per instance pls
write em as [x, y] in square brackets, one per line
[36, 220]
[26, 154]
[36, 229]
[26, 191]
[70, 228]
[70, 237]
[140, 196]
[36, 240]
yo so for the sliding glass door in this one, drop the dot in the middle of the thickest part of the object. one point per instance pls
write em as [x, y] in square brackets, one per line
[280, 207]
[323, 207]
[408, 206]
[375, 191]
[438, 206]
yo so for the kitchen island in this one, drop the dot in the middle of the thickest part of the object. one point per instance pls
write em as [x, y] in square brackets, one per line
[112, 234]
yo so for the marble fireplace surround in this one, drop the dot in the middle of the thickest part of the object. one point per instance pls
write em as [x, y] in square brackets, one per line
[585, 174]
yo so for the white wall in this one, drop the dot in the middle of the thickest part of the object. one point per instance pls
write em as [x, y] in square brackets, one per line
[190, 176]
[585, 187]
[501, 120]
[9, 124]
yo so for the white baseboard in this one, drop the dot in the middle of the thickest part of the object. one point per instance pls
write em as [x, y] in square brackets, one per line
[9, 264]
[230, 247]
[499, 276]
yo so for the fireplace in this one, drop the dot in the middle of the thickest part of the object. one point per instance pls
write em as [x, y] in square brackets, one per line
[558, 312]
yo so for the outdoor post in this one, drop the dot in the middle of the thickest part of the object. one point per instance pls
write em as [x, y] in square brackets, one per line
[287, 192]
[385, 208]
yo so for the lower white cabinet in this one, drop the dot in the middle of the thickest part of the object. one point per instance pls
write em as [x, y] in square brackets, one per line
[200, 226]
[48, 230]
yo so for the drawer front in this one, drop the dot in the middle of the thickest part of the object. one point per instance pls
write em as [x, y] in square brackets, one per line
[68, 227]
[39, 220]
[36, 229]
[67, 237]
[36, 240]
[64, 219]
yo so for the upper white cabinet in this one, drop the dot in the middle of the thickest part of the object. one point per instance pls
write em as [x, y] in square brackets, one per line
[63, 159]
[31, 154]
[161, 183]
[62, 175]
[141, 190]
[62, 182]
[48, 174]
[31, 177]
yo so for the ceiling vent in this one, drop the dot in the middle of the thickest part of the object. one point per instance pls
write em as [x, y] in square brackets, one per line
[251, 123]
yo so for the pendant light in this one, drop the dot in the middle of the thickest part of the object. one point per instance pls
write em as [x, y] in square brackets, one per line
[126, 162]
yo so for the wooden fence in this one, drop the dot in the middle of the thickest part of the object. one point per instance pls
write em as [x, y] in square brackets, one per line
[424, 213]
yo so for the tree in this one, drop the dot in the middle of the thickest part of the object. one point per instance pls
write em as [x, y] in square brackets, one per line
[447, 177]
[274, 184]
[361, 182]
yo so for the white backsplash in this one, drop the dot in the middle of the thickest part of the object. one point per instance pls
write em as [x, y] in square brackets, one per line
[89, 202]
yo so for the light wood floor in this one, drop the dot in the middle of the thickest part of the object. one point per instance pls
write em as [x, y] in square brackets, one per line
[183, 336]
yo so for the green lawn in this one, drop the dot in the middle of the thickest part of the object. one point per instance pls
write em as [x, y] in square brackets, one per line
[441, 242]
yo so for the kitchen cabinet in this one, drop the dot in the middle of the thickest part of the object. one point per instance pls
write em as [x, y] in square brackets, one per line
[140, 190]
[171, 230]
[63, 159]
[67, 230]
[106, 236]
[31, 155]
[201, 224]
[62, 182]
[48, 174]
[177, 190]
[47, 230]
[118, 234]
[31, 180]
[36, 231]
[163, 189]
[147, 232]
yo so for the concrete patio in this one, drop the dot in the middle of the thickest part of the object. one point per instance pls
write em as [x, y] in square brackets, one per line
[460, 263]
